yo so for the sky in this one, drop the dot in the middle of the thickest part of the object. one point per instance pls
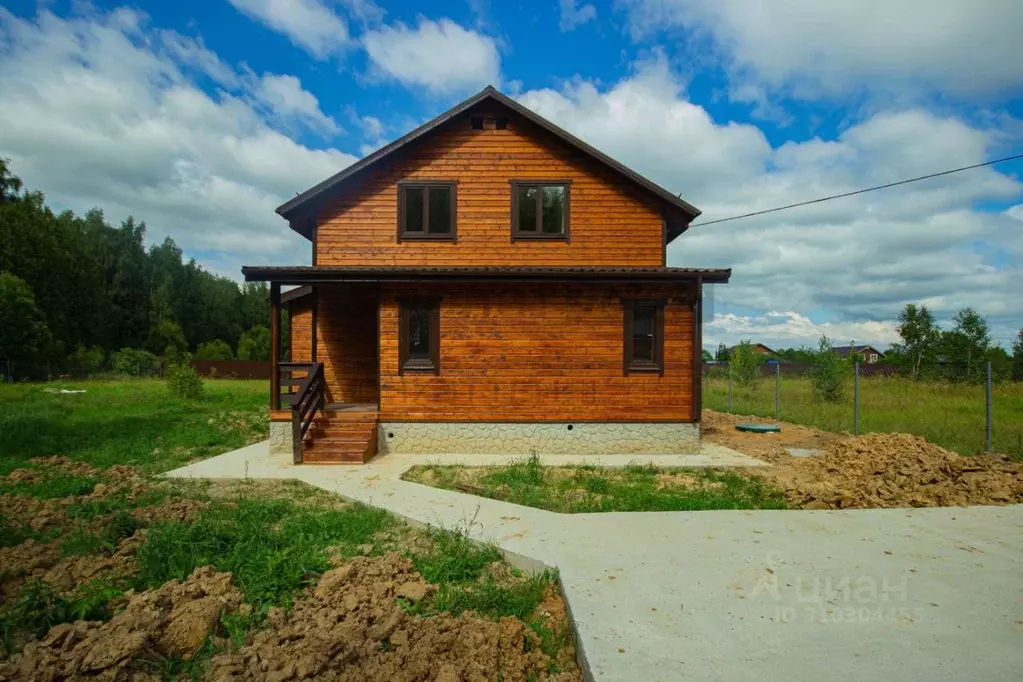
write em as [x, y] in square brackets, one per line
[201, 116]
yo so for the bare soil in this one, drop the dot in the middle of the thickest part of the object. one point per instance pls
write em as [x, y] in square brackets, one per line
[351, 626]
[173, 620]
[875, 470]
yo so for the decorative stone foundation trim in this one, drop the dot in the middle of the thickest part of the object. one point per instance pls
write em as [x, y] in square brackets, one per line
[550, 438]
[280, 438]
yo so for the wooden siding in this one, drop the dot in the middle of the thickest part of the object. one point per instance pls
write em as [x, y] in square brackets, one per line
[346, 342]
[612, 223]
[300, 329]
[536, 353]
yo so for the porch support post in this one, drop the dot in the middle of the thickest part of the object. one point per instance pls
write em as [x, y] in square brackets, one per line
[698, 350]
[275, 345]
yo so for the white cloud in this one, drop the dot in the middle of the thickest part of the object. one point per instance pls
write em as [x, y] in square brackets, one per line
[98, 111]
[851, 261]
[812, 48]
[309, 24]
[789, 329]
[440, 56]
[290, 101]
[573, 16]
[365, 11]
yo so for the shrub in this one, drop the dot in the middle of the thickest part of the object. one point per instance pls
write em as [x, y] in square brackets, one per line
[828, 374]
[87, 360]
[135, 362]
[746, 363]
[184, 382]
[214, 350]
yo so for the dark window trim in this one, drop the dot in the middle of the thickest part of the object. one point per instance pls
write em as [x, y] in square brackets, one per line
[431, 366]
[426, 236]
[629, 366]
[538, 235]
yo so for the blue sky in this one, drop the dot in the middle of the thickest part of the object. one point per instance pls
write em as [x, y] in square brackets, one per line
[200, 117]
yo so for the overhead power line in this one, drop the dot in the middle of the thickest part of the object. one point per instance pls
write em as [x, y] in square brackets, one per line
[859, 191]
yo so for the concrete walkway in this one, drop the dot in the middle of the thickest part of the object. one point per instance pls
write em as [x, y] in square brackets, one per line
[733, 595]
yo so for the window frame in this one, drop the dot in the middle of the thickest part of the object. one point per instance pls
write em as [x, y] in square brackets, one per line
[629, 364]
[417, 365]
[539, 183]
[426, 235]
[872, 358]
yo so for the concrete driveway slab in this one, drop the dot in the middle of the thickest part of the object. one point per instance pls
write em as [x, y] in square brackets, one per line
[732, 595]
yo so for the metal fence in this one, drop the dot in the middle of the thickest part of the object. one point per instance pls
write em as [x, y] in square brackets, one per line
[967, 417]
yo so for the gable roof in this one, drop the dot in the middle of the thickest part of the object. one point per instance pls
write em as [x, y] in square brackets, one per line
[299, 207]
[844, 350]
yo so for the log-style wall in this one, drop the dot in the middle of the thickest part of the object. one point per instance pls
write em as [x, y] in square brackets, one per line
[346, 342]
[536, 352]
[611, 222]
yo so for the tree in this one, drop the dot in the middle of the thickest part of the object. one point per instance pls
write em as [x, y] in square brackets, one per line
[827, 376]
[87, 360]
[214, 350]
[745, 364]
[722, 354]
[23, 331]
[169, 340]
[707, 355]
[964, 348]
[255, 344]
[920, 336]
[1017, 357]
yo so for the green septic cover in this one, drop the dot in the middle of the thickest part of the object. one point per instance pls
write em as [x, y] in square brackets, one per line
[759, 428]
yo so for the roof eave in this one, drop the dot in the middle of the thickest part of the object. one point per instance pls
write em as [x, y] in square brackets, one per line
[292, 208]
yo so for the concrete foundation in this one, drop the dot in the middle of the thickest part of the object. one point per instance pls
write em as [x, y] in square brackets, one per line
[280, 438]
[546, 438]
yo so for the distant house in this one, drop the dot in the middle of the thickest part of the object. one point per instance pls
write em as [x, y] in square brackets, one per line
[868, 354]
[757, 348]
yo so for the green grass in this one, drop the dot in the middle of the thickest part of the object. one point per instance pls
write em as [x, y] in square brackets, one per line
[583, 489]
[128, 422]
[950, 415]
[274, 540]
[272, 547]
[459, 566]
[52, 486]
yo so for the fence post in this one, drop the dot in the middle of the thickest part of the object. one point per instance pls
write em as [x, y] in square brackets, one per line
[988, 401]
[729, 387]
[856, 398]
[777, 392]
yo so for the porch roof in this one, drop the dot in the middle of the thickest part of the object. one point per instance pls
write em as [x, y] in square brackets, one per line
[312, 274]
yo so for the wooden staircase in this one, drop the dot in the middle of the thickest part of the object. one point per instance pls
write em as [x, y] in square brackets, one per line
[345, 434]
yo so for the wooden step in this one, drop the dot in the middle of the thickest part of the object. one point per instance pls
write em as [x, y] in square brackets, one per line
[347, 437]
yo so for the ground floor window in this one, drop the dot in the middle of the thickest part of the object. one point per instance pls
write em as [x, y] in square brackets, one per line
[419, 335]
[644, 336]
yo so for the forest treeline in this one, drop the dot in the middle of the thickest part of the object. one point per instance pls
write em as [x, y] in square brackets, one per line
[79, 295]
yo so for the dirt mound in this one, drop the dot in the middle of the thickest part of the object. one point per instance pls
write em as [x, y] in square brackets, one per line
[181, 509]
[39, 515]
[897, 470]
[351, 627]
[173, 620]
[30, 558]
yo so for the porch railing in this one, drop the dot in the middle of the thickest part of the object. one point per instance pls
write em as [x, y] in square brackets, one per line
[307, 398]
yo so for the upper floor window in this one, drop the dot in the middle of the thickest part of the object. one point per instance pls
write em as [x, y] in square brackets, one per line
[426, 209]
[540, 209]
[873, 357]
[644, 336]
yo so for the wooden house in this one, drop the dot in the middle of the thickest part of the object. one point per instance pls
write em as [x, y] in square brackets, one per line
[486, 283]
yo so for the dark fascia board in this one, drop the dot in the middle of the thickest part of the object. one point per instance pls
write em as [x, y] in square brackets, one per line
[327, 274]
[292, 210]
[296, 293]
